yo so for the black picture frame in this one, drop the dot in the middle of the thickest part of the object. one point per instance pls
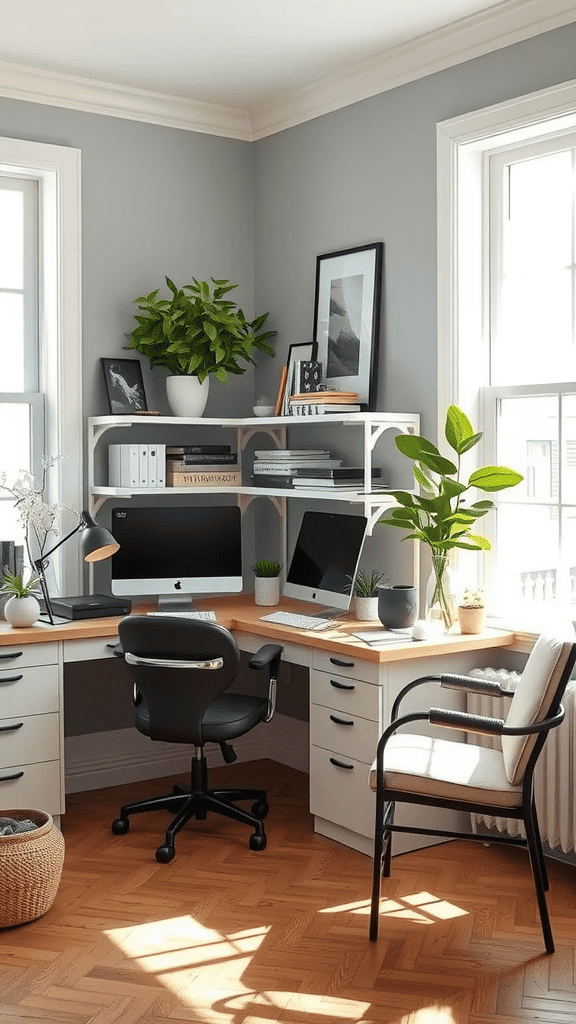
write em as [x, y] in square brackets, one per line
[296, 352]
[124, 386]
[347, 301]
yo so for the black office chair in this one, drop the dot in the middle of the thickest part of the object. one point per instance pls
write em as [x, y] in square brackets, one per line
[181, 669]
[427, 770]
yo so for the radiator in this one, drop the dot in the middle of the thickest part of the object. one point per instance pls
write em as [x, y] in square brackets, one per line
[555, 773]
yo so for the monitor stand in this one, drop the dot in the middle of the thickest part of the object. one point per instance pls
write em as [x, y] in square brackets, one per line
[176, 603]
[328, 613]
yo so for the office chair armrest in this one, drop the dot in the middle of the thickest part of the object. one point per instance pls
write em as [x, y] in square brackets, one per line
[205, 663]
[474, 684]
[543, 726]
[268, 656]
[465, 722]
[406, 689]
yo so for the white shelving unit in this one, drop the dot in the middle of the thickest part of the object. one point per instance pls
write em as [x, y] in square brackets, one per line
[372, 425]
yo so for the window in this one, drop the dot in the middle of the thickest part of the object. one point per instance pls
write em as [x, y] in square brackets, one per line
[507, 301]
[40, 401]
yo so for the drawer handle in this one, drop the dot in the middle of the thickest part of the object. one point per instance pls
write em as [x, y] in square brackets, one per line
[340, 764]
[11, 679]
[343, 664]
[341, 721]
[342, 686]
[11, 654]
[10, 778]
[11, 728]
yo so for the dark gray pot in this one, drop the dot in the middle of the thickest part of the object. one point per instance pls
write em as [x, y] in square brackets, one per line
[398, 606]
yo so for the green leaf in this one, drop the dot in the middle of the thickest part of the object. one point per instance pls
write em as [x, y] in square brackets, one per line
[494, 478]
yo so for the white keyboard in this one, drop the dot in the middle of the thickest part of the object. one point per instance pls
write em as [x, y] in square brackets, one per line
[299, 621]
[209, 616]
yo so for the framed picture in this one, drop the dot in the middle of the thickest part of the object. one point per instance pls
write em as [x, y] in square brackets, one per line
[347, 319]
[305, 350]
[124, 386]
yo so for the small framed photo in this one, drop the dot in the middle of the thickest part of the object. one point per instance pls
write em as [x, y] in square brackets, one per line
[347, 319]
[124, 386]
[297, 352]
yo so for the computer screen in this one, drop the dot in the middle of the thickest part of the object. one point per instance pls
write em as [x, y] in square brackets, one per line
[175, 552]
[325, 558]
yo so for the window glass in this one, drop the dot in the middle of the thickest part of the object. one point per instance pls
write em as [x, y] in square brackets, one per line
[12, 229]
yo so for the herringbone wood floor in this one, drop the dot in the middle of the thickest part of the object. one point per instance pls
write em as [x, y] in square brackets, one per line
[222, 935]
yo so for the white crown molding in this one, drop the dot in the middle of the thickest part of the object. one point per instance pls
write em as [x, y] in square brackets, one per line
[59, 90]
[509, 22]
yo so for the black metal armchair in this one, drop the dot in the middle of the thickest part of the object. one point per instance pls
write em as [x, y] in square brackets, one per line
[182, 669]
[426, 770]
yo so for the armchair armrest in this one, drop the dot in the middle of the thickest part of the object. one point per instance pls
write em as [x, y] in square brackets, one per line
[472, 684]
[462, 720]
[268, 656]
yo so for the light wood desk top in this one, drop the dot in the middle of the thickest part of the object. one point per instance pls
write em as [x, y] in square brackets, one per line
[238, 612]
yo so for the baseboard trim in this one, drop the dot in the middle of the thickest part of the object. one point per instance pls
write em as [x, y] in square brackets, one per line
[99, 760]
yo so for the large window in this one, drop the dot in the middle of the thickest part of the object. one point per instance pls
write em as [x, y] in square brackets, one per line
[40, 338]
[507, 299]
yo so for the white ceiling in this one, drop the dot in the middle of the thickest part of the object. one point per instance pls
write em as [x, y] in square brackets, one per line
[257, 64]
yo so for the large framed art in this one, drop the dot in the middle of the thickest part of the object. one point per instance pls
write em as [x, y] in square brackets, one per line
[347, 318]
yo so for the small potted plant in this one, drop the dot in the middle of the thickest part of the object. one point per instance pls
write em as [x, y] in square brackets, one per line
[195, 334]
[366, 586]
[471, 611]
[267, 580]
[22, 608]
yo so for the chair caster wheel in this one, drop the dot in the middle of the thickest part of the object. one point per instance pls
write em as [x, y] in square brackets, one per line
[260, 810]
[257, 842]
[120, 826]
[164, 854]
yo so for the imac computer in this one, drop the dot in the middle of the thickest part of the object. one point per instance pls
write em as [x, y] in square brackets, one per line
[325, 559]
[176, 553]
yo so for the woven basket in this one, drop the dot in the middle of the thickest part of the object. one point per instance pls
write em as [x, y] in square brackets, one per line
[30, 868]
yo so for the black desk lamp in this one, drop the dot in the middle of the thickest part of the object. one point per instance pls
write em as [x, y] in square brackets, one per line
[97, 544]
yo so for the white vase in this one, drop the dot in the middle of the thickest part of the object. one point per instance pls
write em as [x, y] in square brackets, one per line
[22, 611]
[186, 396]
[266, 589]
[366, 608]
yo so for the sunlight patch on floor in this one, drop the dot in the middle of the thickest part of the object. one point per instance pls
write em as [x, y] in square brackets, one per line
[422, 907]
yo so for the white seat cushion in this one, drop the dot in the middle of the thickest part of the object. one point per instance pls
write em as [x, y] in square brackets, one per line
[533, 697]
[441, 768]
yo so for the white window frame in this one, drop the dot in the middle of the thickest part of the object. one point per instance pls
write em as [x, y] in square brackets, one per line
[57, 171]
[463, 146]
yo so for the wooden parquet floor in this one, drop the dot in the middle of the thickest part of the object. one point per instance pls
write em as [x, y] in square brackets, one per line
[222, 935]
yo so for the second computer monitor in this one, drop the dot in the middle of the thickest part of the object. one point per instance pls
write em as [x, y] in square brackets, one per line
[325, 558]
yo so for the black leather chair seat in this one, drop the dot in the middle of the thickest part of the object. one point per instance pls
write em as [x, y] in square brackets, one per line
[230, 715]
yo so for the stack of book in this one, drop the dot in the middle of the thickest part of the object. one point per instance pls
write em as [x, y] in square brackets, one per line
[202, 465]
[318, 403]
[282, 467]
[137, 465]
[12, 560]
[342, 478]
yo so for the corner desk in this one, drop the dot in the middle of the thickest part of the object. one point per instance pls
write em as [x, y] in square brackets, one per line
[352, 687]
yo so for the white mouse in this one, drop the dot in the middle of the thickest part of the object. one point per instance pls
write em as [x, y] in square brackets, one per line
[420, 630]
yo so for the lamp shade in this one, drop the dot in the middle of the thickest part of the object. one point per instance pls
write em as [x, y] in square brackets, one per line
[97, 543]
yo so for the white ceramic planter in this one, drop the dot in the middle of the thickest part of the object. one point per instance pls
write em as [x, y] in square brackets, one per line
[366, 608]
[22, 611]
[186, 396]
[266, 589]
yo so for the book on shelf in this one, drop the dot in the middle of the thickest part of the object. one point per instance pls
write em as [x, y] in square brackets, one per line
[136, 465]
[281, 390]
[289, 467]
[338, 473]
[320, 483]
[326, 397]
[202, 458]
[307, 376]
[198, 449]
[273, 480]
[211, 478]
[316, 409]
[179, 466]
[292, 453]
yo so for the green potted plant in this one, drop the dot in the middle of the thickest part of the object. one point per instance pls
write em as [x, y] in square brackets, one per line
[365, 590]
[22, 608]
[441, 515]
[195, 334]
[267, 580]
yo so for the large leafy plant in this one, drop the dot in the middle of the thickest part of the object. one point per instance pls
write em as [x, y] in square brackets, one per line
[197, 331]
[441, 515]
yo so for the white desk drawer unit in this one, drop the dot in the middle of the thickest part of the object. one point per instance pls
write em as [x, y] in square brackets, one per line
[31, 774]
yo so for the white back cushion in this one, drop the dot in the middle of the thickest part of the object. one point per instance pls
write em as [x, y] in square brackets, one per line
[532, 700]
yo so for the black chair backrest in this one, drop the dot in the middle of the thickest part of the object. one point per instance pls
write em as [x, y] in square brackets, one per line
[176, 698]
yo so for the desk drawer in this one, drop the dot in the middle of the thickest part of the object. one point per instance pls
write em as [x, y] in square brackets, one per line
[346, 665]
[38, 788]
[353, 696]
[29, 740]
[24, 655]
[341, 795]
[29, 692]
[350, 735]
[95, 649]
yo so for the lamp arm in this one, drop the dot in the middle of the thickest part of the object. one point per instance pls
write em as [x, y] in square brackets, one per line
[40, 563]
